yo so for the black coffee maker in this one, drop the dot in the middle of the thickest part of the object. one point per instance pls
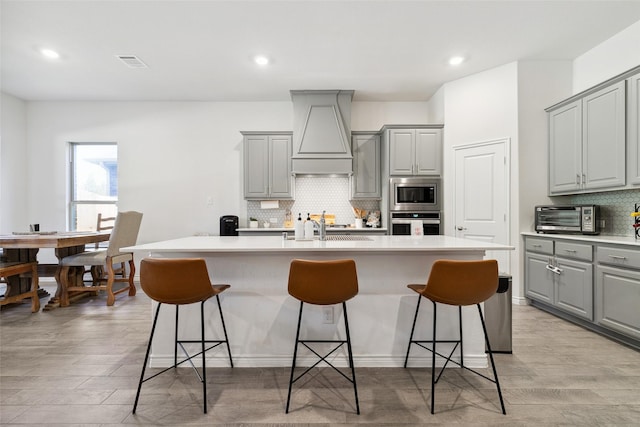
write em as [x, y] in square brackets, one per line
[228, 225]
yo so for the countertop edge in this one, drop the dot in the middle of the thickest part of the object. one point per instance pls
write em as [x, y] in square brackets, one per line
[598, 239]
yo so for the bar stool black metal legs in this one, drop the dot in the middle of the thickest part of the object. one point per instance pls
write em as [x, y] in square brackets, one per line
[321, 358]
[158, 280]
[456, 283]
[323, 283]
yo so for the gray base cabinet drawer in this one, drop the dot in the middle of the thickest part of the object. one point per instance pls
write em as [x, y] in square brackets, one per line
[574, 250]
[543, 246]
[618, 300]
[618, 257]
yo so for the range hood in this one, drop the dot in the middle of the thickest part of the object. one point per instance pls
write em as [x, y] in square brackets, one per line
[322, 132]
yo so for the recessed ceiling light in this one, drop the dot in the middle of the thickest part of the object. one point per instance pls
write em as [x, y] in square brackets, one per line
[261, 60]
[49, 53]
[456, 60]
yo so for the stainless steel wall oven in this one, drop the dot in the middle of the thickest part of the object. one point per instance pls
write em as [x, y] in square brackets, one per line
[401, 222]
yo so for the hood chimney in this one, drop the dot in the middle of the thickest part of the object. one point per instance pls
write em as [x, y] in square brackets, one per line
[322, 132]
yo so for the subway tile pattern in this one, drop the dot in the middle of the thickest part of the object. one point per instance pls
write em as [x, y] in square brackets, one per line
[616, 207]
[313, 195]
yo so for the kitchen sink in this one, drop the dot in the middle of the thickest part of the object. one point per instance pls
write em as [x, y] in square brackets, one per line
[346, 237]
[337, 237]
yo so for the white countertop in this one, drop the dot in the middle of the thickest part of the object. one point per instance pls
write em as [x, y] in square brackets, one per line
[275, 244]
[600, 238]
[331, 229]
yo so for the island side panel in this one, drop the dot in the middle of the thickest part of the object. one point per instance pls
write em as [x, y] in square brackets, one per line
[261, 316]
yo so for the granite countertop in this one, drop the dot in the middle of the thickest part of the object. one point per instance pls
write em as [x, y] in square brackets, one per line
[599, 238]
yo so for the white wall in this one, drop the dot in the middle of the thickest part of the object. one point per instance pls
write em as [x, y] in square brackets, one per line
[610, 58]
[366, 116]
[14, 167]
[436, 107]
[172, 155]
[482, 107]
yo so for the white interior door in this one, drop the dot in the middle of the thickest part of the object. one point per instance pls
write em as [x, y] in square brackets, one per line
[481, 196]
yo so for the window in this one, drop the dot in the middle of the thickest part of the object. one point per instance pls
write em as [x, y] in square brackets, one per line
[94, 183]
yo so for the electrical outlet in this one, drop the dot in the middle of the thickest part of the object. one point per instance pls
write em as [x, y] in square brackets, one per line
[327, 314]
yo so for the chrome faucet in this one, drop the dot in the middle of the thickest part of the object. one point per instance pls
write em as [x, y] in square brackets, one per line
[322, 227]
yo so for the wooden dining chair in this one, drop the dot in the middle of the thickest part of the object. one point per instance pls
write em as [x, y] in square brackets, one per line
[104, 223]
[124, 233]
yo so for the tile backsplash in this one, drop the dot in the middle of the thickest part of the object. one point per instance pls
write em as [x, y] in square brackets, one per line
[615, 209]
[314, 195]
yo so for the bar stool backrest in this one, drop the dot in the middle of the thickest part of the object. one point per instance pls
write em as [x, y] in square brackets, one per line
[175, 280]
[323, 282]
[462, 282]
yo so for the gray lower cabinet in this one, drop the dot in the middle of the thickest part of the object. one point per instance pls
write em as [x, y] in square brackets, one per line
[618, 290]
[594, 284]
[574, 287]
[560, 274]
[366, 181]
[267, 165]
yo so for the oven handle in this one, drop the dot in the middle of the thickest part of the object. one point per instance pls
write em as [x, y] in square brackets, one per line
[408, 221]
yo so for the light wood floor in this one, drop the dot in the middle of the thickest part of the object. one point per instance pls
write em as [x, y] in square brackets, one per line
[80, 366]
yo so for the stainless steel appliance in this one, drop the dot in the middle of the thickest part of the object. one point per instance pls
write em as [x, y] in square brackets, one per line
[581, 219]
[415, 194]
[498, 317]
[401, 222]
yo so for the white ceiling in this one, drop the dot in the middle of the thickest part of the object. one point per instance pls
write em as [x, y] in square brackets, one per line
[202, 50]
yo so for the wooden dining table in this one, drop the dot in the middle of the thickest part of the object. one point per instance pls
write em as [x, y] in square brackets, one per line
[24, 247]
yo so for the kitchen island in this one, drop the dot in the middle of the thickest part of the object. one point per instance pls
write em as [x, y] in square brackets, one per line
[261, 316]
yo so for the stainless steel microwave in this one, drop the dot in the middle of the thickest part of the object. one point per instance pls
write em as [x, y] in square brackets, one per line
[581, 219]
[414, 194]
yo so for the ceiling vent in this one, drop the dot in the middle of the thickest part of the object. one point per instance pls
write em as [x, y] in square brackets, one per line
[132, 61]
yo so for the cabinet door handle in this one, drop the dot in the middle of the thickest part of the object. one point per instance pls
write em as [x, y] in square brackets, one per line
[584, 178]
[577, 179]
[570, 251]
[536, 245]
[620, 257]
[554, 269]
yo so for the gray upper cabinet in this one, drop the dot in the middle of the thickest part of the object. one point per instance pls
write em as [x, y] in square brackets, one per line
[587, 142]
[603, 137]
[415, 151]
[267, 165]
[366, 180]
[633, 128]
[565, 148]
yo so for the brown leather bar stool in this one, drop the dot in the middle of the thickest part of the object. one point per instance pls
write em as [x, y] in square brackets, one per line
[323, 283]
[180, 281]
[457, 283]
